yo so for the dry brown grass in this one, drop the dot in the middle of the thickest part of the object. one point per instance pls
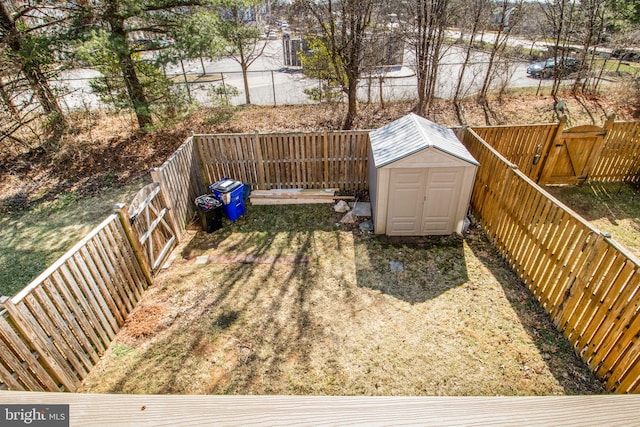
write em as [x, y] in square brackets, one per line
[610, 207]
[456, 321]
[101, 150]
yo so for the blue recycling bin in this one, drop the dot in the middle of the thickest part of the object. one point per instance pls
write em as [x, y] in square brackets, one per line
[230, 193]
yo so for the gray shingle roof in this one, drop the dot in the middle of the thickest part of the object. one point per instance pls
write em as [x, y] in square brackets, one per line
[410, 134]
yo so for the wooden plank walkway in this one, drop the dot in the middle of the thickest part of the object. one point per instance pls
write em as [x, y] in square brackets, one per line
[291, 196]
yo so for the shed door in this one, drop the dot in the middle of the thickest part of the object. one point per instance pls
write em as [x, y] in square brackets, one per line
[406, 193]
[441, 200]
[423, 201]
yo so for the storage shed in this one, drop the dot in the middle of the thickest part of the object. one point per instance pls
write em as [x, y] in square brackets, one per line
[420, 178]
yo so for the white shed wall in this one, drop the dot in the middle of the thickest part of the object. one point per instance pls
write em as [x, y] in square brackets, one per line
[373, 187]
[427, 193]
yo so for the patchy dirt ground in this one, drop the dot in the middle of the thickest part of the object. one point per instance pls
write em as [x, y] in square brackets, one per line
[332, 318]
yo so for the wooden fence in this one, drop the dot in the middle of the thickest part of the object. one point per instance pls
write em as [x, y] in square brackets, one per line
[528, 146]
[151, 220]
[287, 160]
[55, 330]
[619, 160]
[589, 285]
[521, 144]
[181, 181]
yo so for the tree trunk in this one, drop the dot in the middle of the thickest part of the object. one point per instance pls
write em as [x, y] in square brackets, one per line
[488, 77]
[8, 102]
[40, 86]
[595, 31]
[430, 22]
[186, 80]
[135, 91]
[352, 110]
[31, 69]
[421, 84]
[245, 78]
[465, 64]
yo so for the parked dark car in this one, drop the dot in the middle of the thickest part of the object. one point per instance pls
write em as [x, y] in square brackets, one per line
[626, 54]
[544, 69]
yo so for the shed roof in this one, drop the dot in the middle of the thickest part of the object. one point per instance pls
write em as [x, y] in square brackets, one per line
[410, 134]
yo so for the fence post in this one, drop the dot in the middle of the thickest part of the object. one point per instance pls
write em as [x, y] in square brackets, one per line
[547, 165]
[325, 155]
[273, 85]
[123, 214]
[224, 88]
[201, 173]
[257, 148]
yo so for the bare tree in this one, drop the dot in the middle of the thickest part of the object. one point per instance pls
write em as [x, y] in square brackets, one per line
[25, 48]
[592, 15]
[240, 37]
[475, 12]
[559, 16]
[343, 26]
[504, 18]
[428, 20]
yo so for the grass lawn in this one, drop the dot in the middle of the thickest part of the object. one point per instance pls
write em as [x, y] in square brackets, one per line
[316, 309]
[610, 207]
[34, 239]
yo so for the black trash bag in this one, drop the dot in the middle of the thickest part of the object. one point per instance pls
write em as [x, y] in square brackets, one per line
[207, 202]
[210, 212]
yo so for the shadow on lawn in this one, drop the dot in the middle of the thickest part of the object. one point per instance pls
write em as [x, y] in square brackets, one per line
[431, 265]
[593, 201]
[213, 337]
[568, 369]
[262, 222]
[274, 329]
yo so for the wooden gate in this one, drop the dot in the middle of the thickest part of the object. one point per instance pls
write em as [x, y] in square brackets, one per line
[573, 153]
[148, 215]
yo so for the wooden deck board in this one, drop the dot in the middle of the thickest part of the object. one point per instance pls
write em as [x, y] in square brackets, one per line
[156, 410]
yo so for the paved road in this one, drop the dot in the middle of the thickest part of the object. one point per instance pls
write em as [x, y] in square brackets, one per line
[268, 77]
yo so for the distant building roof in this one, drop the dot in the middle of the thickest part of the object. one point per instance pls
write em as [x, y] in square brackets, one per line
[411, 134]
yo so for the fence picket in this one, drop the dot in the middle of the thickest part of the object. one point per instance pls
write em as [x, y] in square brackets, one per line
[625, 375]
[587, 285]
[13, 352]
[609, 334]
[288, 160]
[618, 158]
[9, 378]
[54, 331]
[29, 327]
[43, 309]
[73, 327]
